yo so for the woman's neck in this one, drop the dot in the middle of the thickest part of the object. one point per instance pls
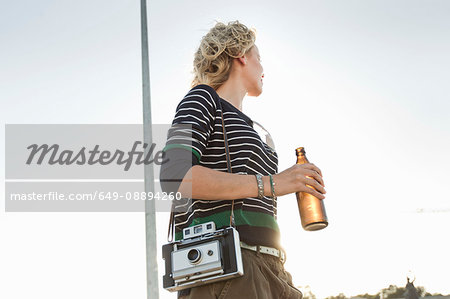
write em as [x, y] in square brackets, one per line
[232, 91]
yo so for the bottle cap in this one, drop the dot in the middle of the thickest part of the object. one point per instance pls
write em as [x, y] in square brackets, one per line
[300, 151]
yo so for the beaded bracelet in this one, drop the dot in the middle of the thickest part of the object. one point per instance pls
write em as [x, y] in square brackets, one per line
[260, 184]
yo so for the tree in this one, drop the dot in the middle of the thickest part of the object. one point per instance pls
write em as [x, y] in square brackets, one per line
[307, 293]
[422, 292]
[368, 296]
[340, 296]
[393, 291]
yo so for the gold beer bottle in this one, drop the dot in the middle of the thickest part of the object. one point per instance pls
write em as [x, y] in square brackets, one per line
[312, 209]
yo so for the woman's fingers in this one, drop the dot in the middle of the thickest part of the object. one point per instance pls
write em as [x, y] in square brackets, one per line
[312, 167]
[314, 193]
[319, 195]
[301, 178]
[315, 175]
[313, 183]
[313, 180]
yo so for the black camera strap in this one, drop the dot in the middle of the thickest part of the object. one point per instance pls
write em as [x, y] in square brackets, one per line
[171, 228]
[227, 153]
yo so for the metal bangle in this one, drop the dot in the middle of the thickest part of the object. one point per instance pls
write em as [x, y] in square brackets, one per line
[260, 183]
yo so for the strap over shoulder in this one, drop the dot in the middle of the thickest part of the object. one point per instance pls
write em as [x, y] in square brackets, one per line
[171, 229]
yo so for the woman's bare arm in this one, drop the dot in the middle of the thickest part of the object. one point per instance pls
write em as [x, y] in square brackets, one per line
[204, 183]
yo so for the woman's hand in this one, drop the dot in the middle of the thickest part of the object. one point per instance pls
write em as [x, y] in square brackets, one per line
[300, 178]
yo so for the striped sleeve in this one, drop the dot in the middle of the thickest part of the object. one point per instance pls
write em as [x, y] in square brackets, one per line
[194, 121]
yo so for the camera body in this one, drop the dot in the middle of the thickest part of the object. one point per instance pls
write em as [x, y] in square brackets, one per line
[205, 255]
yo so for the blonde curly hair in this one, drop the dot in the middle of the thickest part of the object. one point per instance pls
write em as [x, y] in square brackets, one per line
[218, 48]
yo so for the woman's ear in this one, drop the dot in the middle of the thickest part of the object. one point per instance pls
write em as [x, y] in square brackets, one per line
[242, 60]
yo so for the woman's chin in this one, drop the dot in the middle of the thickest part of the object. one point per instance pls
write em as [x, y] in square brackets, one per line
[255, 93]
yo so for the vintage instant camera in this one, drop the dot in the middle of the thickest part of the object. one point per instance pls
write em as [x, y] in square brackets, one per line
[205, 255]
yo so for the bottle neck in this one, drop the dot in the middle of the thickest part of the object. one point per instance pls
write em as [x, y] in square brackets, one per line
[301, 159]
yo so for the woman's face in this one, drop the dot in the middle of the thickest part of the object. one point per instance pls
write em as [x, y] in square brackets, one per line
[253, 72]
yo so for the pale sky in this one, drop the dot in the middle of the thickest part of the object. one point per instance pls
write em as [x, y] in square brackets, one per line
[362, 85]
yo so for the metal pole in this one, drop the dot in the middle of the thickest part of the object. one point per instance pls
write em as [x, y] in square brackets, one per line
[150, 215]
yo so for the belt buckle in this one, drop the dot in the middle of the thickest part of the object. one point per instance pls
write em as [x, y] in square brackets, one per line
[282, 255]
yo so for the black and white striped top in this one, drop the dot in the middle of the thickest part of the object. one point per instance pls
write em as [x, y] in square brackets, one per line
[255, 218]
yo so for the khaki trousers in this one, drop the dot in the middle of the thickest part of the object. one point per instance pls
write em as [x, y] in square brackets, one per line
[264, 278]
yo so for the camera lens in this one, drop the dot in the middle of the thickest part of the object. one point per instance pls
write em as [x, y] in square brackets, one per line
[194, 256]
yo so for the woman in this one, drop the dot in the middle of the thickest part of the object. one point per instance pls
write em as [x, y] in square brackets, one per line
[227, 67]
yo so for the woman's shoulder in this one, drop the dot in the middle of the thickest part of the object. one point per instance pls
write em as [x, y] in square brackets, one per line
[201, 94]
[204, 88]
